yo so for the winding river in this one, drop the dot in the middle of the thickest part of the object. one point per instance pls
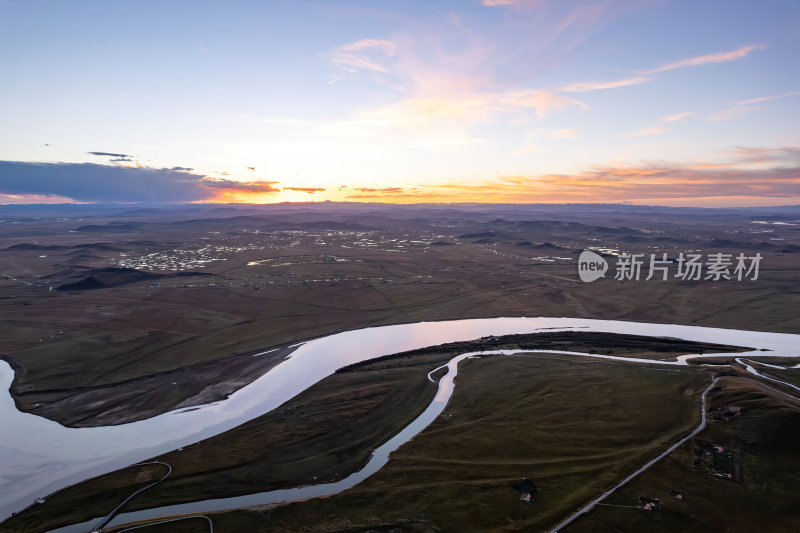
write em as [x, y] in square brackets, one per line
[38, 456]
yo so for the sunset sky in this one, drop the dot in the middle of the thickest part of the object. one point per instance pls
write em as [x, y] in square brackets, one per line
[657, 102]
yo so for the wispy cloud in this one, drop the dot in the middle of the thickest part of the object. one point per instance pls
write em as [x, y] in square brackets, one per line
[760, 155]
[746, 105]
[766, 98]
[651, 130]
[396, 194]
[600, 85]
[444, 119]
[543, 101]
[448, 80]
[528, 147]
[309, 190]
[285, 121]
[108, 154]
[645, 181]
[383, 189]
[677, 116]
[454, 77]
[423, 110]
[495, 3]
[564, 134]
[240, 186]
[363, 55]
[728, 113]
[721, 57]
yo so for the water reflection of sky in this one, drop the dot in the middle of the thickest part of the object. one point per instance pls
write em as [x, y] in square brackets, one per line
[38, 455]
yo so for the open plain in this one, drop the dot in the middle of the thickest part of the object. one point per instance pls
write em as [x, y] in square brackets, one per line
[118, 315]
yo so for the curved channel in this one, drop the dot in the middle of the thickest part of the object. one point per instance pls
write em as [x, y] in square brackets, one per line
[39, 455]
[380, 456]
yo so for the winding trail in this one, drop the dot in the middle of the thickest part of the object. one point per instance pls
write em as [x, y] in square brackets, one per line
[588, 507]
[110, 516]
[380, 456]
[752, 370]
[210, 523]
[28, 465]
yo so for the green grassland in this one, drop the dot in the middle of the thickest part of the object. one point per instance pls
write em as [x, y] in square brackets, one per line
[783, 361]
[134, 349]
[789, 375]
[762, 496]
[451, 495]
[328, 431]
[116, 487]
[572, 426]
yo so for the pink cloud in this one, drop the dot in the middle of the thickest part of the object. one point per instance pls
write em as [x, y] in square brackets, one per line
[564, 134]
[766, 98]
[599, 85]
[721, 57]
[495, 3]
[677, 116]
[543, 101]
[365, 54]
[651, 130]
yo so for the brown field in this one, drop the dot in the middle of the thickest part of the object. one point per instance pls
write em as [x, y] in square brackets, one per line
[571, 426]
[266, 285]
[456, 476]
[112, 316]
[761, 495]
[328, 431]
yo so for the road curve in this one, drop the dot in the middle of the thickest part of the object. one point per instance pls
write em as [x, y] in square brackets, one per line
[110, 516]
[588, 507]
[287, 495]
[210, 523]
[755, 372]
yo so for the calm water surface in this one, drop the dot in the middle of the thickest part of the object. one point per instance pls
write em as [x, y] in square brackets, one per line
[38, 456]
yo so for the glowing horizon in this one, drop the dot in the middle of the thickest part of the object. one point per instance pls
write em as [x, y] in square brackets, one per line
[477, 101]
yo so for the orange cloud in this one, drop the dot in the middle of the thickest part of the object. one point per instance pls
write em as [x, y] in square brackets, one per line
[310, 190]
[227, 190]
[403, 197]
[254, 192]
[250, 186]
[674, 184]
[383, 190]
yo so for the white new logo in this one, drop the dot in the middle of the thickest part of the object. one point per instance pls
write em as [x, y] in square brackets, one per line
[591, 266]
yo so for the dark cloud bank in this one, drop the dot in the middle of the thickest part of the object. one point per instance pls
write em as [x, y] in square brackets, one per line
[89, 182]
